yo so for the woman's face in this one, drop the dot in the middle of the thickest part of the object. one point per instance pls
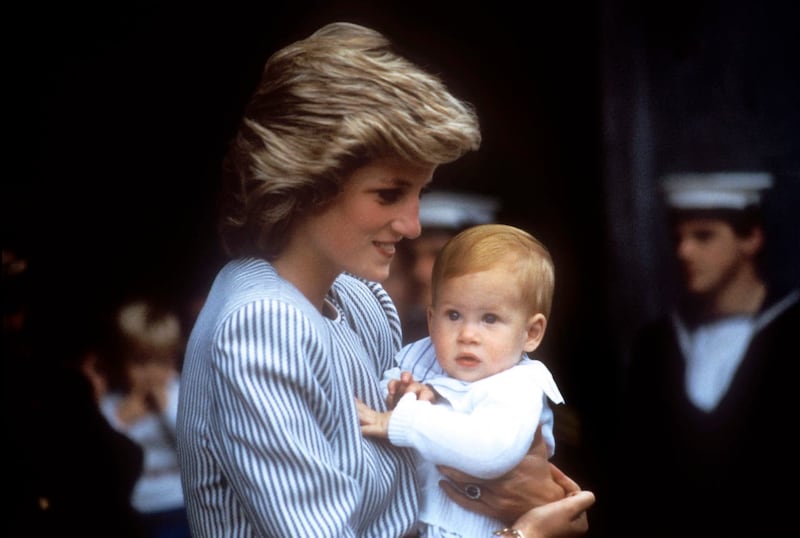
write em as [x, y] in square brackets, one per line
[358, 232]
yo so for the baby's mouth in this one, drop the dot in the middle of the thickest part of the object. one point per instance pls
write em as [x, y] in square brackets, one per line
[467, 360]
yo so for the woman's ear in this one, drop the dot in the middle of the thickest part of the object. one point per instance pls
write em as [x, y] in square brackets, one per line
[535, 328]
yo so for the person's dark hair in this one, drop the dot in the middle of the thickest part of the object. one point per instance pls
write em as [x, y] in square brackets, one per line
[326, 105]
[742, 221]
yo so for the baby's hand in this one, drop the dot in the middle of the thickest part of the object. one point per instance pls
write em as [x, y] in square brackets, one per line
[373, 423]
[404, 385]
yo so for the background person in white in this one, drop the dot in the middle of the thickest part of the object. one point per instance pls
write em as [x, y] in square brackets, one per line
[492, 291]
[709, 391]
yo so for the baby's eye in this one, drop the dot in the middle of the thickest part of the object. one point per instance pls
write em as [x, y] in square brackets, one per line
[490, 318]
[453, 315]
[390, 196]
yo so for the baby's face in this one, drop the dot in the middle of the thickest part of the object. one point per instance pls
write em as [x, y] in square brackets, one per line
[479, 325]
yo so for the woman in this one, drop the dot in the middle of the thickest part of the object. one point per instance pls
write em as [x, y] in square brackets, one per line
[324, 177]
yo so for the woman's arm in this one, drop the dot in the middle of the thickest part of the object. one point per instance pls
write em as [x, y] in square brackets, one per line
[272, 424]
[534, 482]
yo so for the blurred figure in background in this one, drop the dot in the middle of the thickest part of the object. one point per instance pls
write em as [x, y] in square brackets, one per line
[709, 394]
[71, 473]
[442, 214]
[146, 347]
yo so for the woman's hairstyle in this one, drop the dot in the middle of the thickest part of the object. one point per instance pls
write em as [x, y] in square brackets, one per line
[483, 247]
[326, 105]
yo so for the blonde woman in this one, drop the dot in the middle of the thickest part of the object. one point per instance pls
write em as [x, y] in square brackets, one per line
[338, 142]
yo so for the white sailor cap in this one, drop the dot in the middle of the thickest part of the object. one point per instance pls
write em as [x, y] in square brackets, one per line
[456, 210]
[716, 190]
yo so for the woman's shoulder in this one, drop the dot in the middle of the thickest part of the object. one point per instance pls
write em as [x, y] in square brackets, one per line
[350, 292]
[245, 282]
[352, 284]
[248, 293]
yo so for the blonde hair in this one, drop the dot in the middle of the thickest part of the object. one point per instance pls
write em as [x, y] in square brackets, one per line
[326, 105]
[482, 247]
[147, 333]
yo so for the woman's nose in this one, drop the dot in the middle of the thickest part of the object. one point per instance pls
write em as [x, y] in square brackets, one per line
[407, 221]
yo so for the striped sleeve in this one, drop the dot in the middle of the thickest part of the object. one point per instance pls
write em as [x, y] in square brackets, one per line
[273, 422]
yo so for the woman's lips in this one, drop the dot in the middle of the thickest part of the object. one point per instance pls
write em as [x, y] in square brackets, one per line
[388, 249]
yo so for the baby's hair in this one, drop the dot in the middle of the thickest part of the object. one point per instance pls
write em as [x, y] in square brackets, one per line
[482, 247]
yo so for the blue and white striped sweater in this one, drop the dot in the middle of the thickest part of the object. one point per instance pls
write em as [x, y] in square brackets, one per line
[268, 434]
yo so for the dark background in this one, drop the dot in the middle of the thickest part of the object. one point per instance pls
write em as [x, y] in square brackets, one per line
[120, 115]
[125, 112]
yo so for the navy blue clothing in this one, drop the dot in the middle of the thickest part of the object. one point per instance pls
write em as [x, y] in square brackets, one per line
[729, 472]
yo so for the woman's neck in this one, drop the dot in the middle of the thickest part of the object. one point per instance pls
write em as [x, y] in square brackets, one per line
[299, 267]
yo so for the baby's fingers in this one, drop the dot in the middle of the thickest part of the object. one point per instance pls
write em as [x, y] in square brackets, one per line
[366, 415]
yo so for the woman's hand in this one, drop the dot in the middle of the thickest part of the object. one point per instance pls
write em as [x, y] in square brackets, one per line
[534, 482]
[558, 519]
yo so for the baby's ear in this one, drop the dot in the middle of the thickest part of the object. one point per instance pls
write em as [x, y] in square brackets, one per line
[535, 328]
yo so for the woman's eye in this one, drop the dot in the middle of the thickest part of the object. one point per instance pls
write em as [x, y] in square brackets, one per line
[390, 196]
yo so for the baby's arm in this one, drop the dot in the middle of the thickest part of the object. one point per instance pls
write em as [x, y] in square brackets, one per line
[485, 435]
[397, 388]
[375, 423]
